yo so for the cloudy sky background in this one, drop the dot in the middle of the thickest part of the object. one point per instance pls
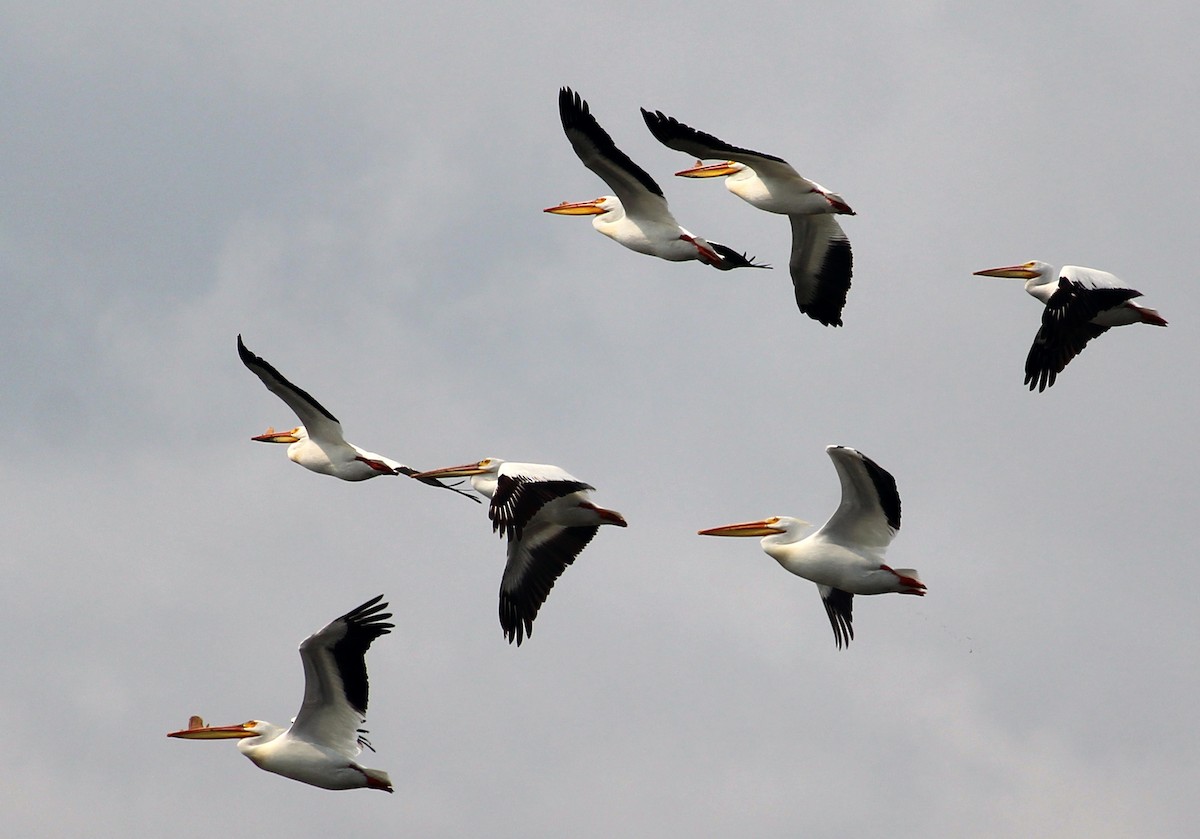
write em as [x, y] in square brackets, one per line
[357, 190]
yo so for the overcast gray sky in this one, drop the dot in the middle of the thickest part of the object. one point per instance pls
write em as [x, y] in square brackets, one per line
[357, 189]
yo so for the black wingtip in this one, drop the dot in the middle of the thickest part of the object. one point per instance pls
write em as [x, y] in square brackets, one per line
[731, 259]
[571, 107]
[371, 615]
[664, 128]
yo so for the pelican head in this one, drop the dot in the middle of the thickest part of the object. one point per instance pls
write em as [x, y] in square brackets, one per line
[487, 466]
[272, 436]
[595, 207]
[1028, 271]
[773, 526]
[712, 170]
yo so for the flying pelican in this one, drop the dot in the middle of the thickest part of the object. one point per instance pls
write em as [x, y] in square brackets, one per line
[318, 443]
[548, 518]
[637, 216]
[1081, 304]
[845, 556]
[320, 746]
[821, 263]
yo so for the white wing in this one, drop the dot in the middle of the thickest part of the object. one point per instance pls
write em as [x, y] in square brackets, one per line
[318, 422]
[640, 195]
[335, 678]
[1091, 277]
[869, 514]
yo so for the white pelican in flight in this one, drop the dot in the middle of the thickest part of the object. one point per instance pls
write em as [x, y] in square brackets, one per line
[637, 216]
[1081, 304]
[845, 556]
[821, 261]
[325, 737]
[548, 518]
[317, 443]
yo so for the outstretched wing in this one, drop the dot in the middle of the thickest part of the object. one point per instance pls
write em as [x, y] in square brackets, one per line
[869, 513]
[676, 135]
[319, 423]
[821, 266]
[639, 193]
[335, 677]
[1066, 326]
[535, 562]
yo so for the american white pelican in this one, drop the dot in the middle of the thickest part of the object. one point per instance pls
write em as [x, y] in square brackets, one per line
[317, 443]
[845, 556]
[637, 216]
[1081, 304]
[821, 263]
[548, 518]
[325, 737]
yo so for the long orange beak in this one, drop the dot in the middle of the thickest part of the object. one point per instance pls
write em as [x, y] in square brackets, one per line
[212, 732]
[579, 208]
[763, 527]
[273, 436]
[1016, 272]
[464, 471]
[712, 170]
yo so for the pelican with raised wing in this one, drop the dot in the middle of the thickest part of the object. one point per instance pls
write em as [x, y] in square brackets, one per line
[1081, 304]
[318, 444]
[548, 517]
[845, 556]
[821, 262]
[637, 216]
[323, 741]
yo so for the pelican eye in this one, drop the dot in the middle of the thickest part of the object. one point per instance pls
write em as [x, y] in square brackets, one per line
[773, 520]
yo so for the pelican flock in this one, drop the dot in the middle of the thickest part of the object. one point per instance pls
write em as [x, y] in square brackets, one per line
[821, 263]
[845, 556]
[1081, 304]
[637, 216]
[323, 741]
[548, 518]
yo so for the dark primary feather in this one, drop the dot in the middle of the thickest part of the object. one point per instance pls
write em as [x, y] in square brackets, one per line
[521, 599]
[731, 259]
[1066, 328]
[839, 605]
[1075, 303]
[267, 373]
[1053, 350]
[517, 500]
[577, 116]
[885, 488]
[676, 135]
[363, 626]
